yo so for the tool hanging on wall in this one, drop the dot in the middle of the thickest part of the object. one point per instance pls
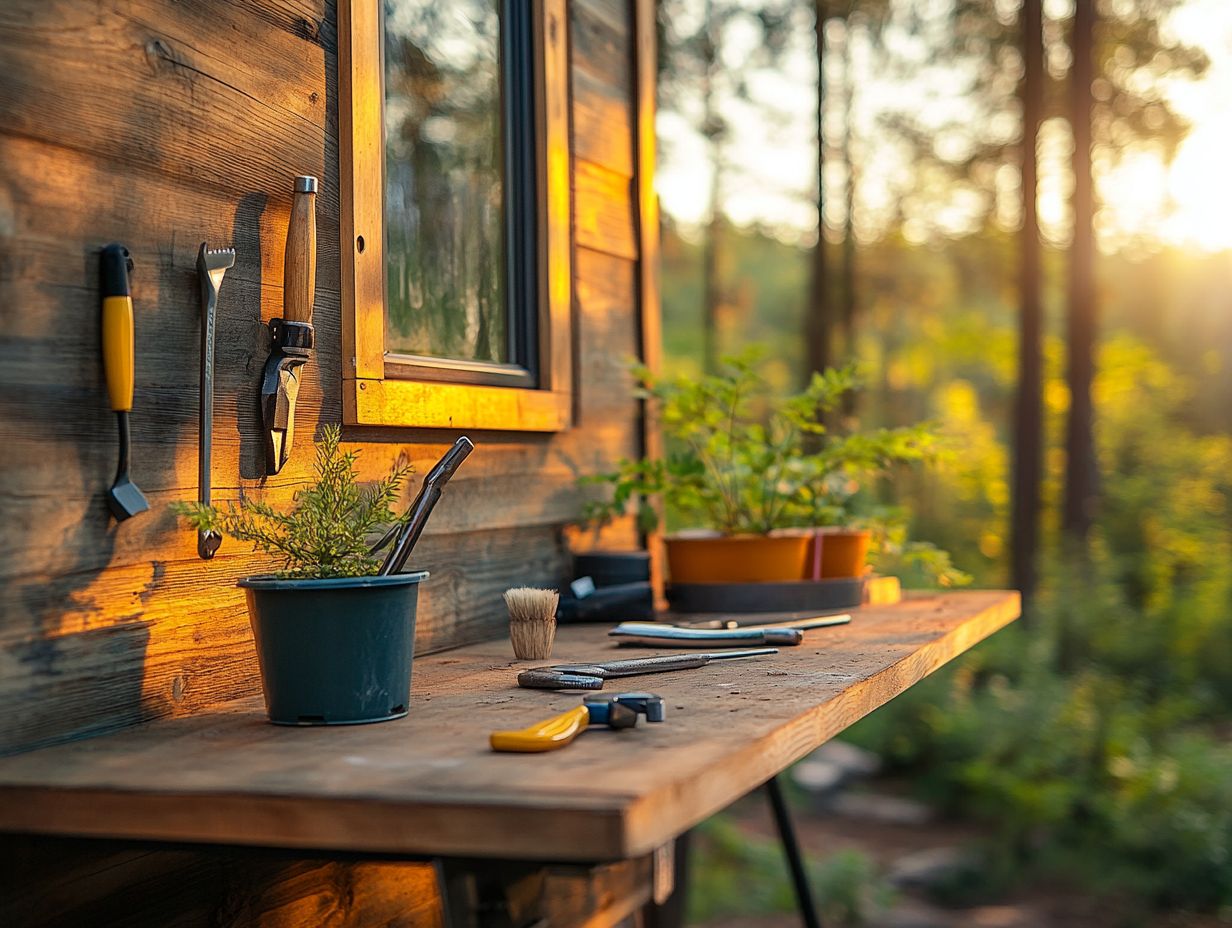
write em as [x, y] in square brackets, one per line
[591, 676]
[552, 734]
[211, 266]
[406, 536]
[123, 498]
[292, 335]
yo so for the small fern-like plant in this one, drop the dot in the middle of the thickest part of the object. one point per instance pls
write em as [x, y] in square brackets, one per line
[329, 530]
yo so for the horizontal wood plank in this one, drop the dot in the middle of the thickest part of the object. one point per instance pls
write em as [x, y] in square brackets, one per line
[602, 123]
[603, 208]
[429, 785]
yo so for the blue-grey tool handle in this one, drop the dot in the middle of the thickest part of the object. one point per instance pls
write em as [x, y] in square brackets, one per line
[804, 623]
[672, 636]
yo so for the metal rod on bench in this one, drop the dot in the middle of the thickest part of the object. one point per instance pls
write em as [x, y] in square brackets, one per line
[791, 848]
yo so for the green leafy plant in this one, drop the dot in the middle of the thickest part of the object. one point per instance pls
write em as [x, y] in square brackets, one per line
[328, 531]
[743, 460]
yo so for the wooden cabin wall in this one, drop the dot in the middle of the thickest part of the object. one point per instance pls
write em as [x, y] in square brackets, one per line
[163, 124]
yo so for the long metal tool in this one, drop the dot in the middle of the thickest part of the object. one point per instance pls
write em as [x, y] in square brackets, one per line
[291, 336]
[123, 498]
[211, 266]
[433, 485]
[804, 624]
[654, 634]
[591, 676]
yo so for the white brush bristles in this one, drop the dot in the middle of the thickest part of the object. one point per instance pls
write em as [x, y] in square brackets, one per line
[532, 621]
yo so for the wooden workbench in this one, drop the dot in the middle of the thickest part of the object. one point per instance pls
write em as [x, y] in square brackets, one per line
[428, 784]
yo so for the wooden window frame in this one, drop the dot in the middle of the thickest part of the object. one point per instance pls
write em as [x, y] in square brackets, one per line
[375, 387]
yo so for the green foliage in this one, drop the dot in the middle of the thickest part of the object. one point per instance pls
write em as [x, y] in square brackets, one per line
[1092, 739]
[743, 459]
[329, 530]
[746, 876]
[917, 564]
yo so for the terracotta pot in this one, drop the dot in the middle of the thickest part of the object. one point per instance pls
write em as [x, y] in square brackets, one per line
[844, 553]
[736, 558]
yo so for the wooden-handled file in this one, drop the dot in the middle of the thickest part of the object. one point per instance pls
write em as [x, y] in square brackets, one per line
[292, 335]
[299, 276]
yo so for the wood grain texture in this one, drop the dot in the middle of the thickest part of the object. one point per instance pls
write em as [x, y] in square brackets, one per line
[161, 125]
[429, 785]
[56, 883]
[603, 210]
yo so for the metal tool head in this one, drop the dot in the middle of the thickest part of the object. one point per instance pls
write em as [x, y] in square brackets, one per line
[125, 500]
[292, 347]
[214, 263]
[647, 704]
[208, 542]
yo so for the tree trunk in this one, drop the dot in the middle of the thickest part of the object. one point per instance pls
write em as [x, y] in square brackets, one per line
[1028, 414]
[819, 324]
[848, 313]
[712, 294]
[1080, 467]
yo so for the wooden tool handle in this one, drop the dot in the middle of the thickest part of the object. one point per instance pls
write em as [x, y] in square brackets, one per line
[299, 276]
[547, 735]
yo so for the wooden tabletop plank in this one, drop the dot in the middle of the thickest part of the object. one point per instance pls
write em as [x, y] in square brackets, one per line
[428, 784]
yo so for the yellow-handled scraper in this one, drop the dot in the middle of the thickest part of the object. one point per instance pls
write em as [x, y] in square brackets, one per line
[551, 734]
[123, 499]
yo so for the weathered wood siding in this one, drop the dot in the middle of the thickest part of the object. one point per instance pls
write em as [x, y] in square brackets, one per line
[162, 124]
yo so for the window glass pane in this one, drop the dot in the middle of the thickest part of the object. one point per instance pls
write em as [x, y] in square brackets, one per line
[444, 212]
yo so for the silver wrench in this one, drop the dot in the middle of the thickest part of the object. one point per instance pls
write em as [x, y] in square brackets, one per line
[211, 266]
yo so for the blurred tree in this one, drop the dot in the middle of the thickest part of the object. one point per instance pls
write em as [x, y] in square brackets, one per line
[1029, 410]
[819, 317]
[976, 44]
[698, 74]
[1080, 468]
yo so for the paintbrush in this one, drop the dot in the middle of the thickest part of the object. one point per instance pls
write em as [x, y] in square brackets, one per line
[532, 621]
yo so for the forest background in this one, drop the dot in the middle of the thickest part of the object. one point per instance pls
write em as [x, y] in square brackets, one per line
[1093, 740]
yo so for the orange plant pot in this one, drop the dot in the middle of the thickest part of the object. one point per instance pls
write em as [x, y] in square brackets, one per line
[844, 553]
[737, 558]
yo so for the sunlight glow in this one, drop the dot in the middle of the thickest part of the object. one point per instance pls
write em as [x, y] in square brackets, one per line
[769, 170]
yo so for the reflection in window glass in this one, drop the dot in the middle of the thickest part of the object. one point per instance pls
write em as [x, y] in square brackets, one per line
[444, 214]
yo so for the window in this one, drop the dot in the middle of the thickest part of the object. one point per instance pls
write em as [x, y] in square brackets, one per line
[455, 213]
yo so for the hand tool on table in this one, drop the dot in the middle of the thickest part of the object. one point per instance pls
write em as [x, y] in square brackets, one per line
[406, 536]
[654, 634]
[123, 498]
[804, 623]
[591, 676]
[616, 711]
[211, 266]
[292, 335]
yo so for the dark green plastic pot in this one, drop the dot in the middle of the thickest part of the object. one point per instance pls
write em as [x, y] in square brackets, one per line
[337, 651]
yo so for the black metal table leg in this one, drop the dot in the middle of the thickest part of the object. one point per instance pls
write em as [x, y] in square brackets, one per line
[791, 848]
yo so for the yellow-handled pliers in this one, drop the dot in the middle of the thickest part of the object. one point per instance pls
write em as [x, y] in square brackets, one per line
[620, 711]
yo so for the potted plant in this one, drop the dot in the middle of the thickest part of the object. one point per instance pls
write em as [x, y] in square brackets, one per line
[843, 461]
[747, 474]
[334, 640]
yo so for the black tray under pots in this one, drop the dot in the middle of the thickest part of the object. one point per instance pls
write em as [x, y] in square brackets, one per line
[788, 596]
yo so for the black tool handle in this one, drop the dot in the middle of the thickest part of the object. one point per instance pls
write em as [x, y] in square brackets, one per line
[424, 503]
[551, 679]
